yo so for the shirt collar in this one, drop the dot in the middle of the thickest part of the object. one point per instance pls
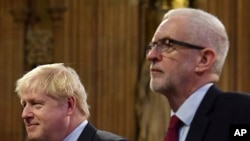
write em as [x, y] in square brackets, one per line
[74, 135]
[188, 109]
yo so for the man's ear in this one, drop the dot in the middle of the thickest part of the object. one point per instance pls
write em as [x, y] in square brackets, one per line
[71, 103]
[206, 60]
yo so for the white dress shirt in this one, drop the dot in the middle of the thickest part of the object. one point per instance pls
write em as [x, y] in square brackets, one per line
[188, 109]
[74, 135]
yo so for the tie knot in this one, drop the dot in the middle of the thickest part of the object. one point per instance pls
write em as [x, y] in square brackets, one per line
[175, 122]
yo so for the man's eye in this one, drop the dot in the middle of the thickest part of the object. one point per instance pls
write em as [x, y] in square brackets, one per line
[23, 105]
[37, 104]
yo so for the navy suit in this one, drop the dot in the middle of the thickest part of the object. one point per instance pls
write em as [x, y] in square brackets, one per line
[90, 133]
[217, 111]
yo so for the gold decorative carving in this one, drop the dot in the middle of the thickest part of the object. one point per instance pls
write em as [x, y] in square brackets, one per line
[165, 5]
[39, 48]
[179, 3]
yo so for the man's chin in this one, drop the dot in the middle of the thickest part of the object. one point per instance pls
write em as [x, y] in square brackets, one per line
[155, 86]
[33, 137]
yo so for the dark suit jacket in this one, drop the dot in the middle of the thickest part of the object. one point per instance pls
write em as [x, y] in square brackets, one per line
[217, 111]
[90, 133]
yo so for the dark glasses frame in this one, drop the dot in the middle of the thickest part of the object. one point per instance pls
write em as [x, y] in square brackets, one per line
[168, 42]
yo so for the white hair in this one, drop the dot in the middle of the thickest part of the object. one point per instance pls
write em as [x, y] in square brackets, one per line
[204, 29]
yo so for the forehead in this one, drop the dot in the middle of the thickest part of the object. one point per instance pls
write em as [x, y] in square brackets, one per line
[34, 96]
[169, 28]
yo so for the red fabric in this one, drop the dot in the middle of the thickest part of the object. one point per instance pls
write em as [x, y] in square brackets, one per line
[173, 129]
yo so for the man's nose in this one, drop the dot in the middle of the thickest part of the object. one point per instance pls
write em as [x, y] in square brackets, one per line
[153, 54]
[27, 112]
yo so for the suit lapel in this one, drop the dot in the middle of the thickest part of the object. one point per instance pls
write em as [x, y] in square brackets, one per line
[88, 134]
[202, 117]
[197, 129]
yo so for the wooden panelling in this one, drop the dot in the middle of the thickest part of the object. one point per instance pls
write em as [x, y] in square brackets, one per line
[104, 41]
[11, 54]
[242, 46]
[101, 40]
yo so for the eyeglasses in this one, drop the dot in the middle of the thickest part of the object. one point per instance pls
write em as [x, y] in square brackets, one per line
[166, 43]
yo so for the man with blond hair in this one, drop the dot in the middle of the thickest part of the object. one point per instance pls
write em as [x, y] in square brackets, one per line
[55, 106]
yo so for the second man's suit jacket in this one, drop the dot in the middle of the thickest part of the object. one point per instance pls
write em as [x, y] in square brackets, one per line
[90, 133]
[217, 112]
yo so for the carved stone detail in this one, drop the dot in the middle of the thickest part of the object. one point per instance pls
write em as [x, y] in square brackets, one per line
[39, 48]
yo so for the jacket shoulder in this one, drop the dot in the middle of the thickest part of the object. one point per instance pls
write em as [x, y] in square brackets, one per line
[90, 133]
[108, 136]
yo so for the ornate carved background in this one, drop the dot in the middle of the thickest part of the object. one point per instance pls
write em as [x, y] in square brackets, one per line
[104, 41]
